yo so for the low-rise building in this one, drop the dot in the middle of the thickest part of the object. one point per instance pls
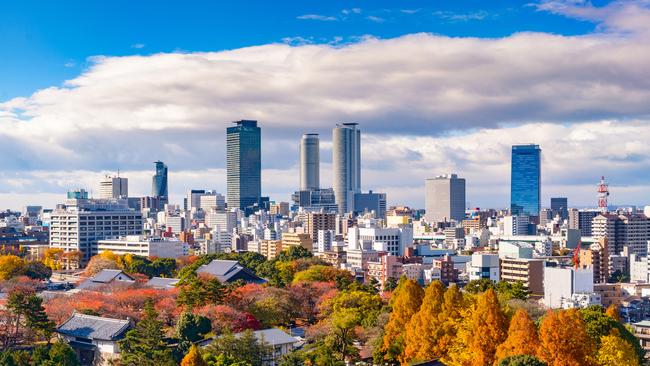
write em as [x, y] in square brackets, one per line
[610, 293]
[562, 283]
[145, 246]
[528, 271]
[93, 338]
[483, 266]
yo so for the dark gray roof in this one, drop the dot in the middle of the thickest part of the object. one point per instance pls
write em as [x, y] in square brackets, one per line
[162, 283]
[104, 277]
[229, 271]
[94, 327]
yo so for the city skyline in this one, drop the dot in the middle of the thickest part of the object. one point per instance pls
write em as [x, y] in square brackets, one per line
[61, 135]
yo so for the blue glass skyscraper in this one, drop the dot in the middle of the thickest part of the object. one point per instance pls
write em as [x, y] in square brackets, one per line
[525, 180]
[244, 164]
[159, 181]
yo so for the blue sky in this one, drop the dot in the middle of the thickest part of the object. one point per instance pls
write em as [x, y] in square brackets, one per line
[90, 87]
[47, 42]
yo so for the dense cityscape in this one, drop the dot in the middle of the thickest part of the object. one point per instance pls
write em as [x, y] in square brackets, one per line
[332, 276]
[368, 183]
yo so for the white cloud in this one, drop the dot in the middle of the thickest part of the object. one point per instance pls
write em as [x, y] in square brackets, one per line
[325, 18]
[427, 104]
[137, 45]
[375, 19]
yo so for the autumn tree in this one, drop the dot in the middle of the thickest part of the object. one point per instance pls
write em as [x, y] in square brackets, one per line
[98, 263]
[521, 360]
[522, 337]
[612, 312]
[193, 358]
[243, 349]
[10, 266]
[199, 290]
[144, 345]
[483, 330]
[564, 340]
[423, 330]
[406, 301]
[615, 351]
[598, 324]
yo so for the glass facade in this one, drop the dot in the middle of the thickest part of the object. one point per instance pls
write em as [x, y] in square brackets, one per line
[244, 164]
[159, 181]
[525, 180]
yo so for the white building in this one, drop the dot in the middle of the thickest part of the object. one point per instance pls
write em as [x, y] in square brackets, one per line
[515, 225]
[508, 249]
[211, 200]
[483, 266]
[639, 269]
[561, 283]
[113, 188]
[325, 239]
[394, 239]
[145, 246]
[81, 223]
[175, 223]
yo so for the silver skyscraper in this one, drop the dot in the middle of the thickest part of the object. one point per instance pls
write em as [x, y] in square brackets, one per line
[309, 162]
[346, 164]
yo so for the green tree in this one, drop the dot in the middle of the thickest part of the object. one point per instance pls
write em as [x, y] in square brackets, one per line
[144, 345]
[37, 271]
[478, 286]
[598, 324]
[512, 290]
[61, 354]
[521, 360]
[192, 327]
[197, 291]
[243, 349]
[30, 317]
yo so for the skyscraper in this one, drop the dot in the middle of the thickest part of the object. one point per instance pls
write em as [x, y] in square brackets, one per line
[525, 180]
[559, 206]
[346, 164]
[159, 182]
[244, 166]
[445, 198]
[309, 162]
[113, 187]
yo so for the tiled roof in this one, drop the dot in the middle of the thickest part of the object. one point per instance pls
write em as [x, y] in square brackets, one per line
[94, 327]
[160, 282]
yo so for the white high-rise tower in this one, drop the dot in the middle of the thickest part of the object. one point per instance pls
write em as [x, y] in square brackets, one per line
[346, 164]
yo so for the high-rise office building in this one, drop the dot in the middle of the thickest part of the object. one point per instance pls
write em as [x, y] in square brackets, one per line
[525, 180]
[113, 187]
[559, 206]
[346, 164]
[445, 198]
[193, 199]
[309, 162]
[244, 166]
[159, 182]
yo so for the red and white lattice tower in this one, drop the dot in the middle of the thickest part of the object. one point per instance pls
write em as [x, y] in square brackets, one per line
[603, 193]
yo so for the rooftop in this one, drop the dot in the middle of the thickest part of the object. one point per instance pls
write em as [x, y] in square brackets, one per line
[94, 327]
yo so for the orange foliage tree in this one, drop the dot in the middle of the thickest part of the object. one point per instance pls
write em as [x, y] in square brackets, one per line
[483, 329]
[406, 301]
[423, 330]
[564, 340]
[522, 337]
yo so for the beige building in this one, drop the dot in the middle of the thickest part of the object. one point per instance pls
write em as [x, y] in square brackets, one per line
[270, 248]
[315, 221]
[528, 271]
[297, 239]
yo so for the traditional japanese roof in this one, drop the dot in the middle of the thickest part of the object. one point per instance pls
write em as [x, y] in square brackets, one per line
[94, 327]
[229, 271]
[106, 276]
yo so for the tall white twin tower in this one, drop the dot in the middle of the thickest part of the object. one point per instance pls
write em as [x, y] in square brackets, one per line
[346, 163]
